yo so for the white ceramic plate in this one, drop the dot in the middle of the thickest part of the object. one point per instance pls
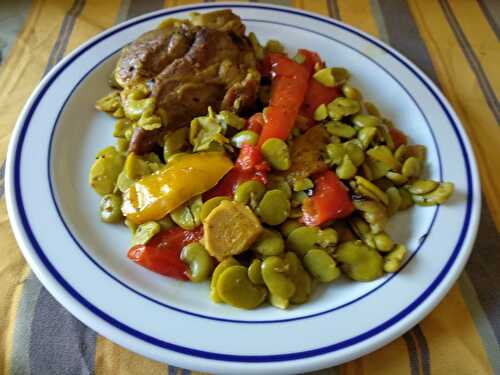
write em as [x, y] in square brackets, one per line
[83, 262]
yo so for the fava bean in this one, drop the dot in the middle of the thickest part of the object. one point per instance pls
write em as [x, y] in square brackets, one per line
[210, 204]
[235, 288]
[221, 267]
[340, 129]
[110, 206]
[406, 199]
[321, 265]
[270, 242]
[411, 167]
[145, 232]
[383, 242]
[372, 109]
[342, 107]
[362, 120]
[351, 92]
[303, 184]
[437, 196]
[359, 261]
[250, 193]
[422, 186]
[279, 183]
[320, 113]
[274, 275]
[302, 239]
[200, 263]
[274, 207]
[366, 135]
[255, 272]
[276, 153]
[394, 198]
[299, 276]
[346, 170]
[288, 226]
[393, 260]
[244, 137]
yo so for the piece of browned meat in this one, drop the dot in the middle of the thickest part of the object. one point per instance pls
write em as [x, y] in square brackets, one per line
[189, 66]
[305, 154]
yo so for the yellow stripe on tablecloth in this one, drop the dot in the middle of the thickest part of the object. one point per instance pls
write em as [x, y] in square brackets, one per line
[174, 3]
[113, 359]
[358, 14]
[453, 341]
[392, 358]
[26, 63]
[20, 74]
[481, 37]
[462, 89]
[318, 6]
[95, 17]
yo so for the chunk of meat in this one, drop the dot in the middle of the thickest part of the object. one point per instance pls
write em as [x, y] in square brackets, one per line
[190, 84]
[149, 54]
[189, 66]
[230, 229]
[305, 154]
[223, 20]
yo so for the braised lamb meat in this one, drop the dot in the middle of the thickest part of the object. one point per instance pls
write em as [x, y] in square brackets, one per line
[189, 66]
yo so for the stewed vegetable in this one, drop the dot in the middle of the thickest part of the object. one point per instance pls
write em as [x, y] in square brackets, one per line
[283, 180]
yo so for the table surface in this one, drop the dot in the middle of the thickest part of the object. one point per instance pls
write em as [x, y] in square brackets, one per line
[456, 42]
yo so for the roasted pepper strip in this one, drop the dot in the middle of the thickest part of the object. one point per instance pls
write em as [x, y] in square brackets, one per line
[330, 200]
[288, 88]
[249, 166]
[162, 253]
[155, 195]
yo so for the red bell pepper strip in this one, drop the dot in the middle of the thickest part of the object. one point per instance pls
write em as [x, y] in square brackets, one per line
[288, 89]
[162, 254]
[316, 95]
[330, 200]
[249, 166]
[398, 137]
[256, 122]
[311, 59]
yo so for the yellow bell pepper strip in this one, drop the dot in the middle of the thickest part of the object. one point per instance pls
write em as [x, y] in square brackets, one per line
[156, 195]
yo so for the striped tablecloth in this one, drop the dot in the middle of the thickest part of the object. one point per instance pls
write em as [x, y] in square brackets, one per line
[456, 42]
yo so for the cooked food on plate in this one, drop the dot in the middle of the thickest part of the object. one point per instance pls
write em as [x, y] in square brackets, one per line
[264, 173]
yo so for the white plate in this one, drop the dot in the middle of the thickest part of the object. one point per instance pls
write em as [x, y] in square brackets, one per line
[83, 262]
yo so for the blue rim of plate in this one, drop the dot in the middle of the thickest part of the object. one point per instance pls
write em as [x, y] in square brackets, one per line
[163, 304]
[232, 357]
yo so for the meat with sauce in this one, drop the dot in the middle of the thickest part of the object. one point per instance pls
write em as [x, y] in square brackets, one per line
[189, 66]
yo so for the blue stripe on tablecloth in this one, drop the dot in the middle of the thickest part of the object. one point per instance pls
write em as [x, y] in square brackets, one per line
[481, 321]
[424, 353]
[333, 9]
[379, 19]
[20, 363]
[483, 269]
[474, 63]
[61, 43]
[138, 7]
[403, 34]
[12, 17]
[491, 10]
[123, 11]
[412, 353]
[60, 344]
